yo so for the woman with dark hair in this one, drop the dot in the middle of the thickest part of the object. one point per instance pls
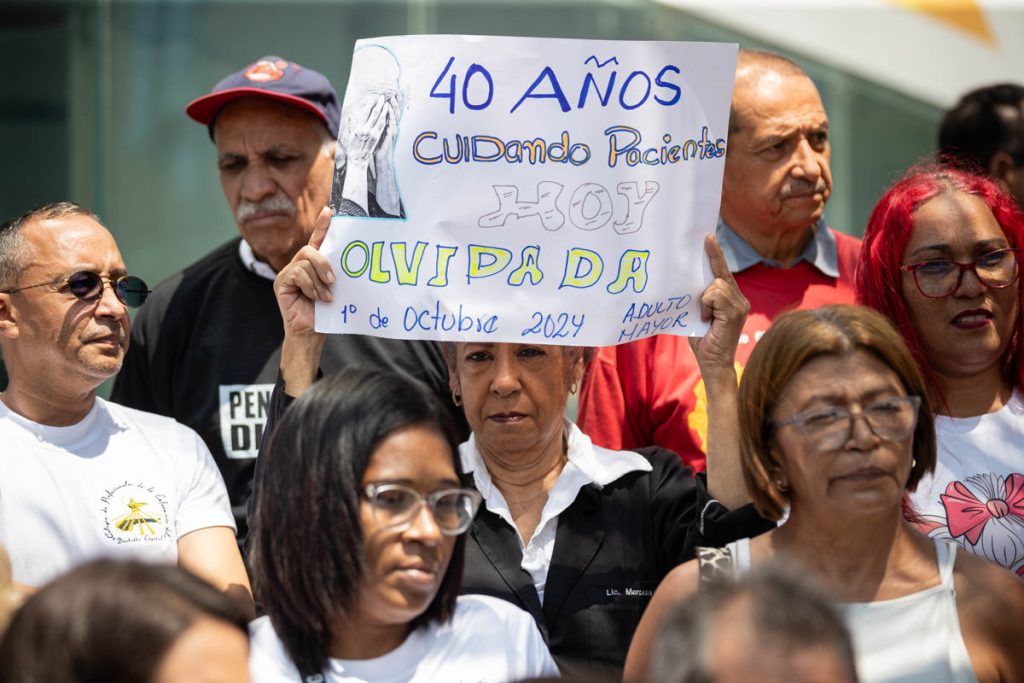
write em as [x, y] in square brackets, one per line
[835, 424]
[358, 546]
[577, 535]
[941, 259]
[126, 622]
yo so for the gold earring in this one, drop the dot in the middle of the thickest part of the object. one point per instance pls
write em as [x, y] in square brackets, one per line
[574, 387]
[456, 398]
[913, 463]
[781, 486]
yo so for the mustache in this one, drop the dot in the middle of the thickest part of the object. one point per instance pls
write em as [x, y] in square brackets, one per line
[273, 204]
[796, 188]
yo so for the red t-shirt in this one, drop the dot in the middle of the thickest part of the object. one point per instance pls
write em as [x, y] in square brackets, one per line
[649, 392]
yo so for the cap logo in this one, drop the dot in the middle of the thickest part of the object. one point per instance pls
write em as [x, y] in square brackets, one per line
[266, 71]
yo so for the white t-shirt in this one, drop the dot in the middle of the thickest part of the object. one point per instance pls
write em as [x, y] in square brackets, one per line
[976, 494]
[121, 482]
[487, 641]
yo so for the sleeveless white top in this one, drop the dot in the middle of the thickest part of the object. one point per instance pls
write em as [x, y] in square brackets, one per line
[911, 639]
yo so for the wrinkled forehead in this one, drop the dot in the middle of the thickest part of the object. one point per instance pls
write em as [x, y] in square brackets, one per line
[260, 123]
[768, 98]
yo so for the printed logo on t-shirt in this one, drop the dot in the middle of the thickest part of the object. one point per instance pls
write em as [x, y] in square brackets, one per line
[134, 512]
[984, 513]
[243, 412]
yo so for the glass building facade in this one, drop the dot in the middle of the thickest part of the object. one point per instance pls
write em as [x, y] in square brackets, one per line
[93, 95]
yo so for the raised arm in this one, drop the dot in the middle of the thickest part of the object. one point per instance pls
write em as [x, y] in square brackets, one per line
[724, 305]
[306, 279]
[299, 285]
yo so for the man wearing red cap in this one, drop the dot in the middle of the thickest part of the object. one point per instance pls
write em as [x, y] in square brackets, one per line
[206, 346]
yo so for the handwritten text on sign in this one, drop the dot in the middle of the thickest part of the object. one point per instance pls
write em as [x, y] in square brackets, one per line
[514, 189]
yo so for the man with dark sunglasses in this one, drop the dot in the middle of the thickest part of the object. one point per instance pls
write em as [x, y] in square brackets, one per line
[82, 477]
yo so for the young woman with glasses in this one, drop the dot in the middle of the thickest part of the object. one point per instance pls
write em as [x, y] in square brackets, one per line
[358, 547]
[941, 259]
[835, 425]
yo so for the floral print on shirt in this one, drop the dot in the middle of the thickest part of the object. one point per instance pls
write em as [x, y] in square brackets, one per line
[984, 514]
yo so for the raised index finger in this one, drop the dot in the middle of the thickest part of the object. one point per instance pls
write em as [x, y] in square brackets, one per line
[719, 267]
[323, 222]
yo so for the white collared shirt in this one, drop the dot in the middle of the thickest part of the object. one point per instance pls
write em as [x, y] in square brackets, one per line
[587, 464]
[254, 265]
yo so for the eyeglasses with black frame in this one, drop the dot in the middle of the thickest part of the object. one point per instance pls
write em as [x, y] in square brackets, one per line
[891, 419]
[939, 278]
[88, 286]
[395, 506]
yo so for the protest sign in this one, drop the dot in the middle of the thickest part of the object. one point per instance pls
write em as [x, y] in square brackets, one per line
[526, 190]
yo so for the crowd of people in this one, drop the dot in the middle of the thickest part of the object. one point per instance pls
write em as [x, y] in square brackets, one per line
[827, 486]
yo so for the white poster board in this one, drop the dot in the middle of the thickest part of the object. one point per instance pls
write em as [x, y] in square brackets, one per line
[526, 190]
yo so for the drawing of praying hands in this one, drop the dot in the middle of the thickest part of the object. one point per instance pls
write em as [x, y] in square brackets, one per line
[365, 135]
[383, 171]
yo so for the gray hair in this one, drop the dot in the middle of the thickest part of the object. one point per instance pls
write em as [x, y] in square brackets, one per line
[14, 250]
[787, 613]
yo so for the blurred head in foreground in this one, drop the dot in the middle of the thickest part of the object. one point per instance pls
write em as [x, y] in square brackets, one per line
[768, 627]
[126, 622]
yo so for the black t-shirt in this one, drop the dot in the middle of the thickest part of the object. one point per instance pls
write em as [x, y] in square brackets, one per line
[205, 350]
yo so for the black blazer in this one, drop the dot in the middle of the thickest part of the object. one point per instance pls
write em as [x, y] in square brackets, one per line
[613, 546]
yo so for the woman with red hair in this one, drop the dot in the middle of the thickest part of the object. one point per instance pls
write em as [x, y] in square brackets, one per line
[941, 258]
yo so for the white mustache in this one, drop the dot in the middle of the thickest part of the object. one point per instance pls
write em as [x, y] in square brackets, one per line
[272, 204]
[800, 187]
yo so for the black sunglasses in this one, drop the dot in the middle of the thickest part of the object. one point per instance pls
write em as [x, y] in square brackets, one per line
[88, 286]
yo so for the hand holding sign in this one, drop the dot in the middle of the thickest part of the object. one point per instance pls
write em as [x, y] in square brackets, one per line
[545, 191]
[305, 280]
[724, 305]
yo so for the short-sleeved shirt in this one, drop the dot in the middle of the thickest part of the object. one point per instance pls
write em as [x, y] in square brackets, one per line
[120, 483]
[486, 641]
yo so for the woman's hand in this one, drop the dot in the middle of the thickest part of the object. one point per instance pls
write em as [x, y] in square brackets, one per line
[305, 280]
[725, 306]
